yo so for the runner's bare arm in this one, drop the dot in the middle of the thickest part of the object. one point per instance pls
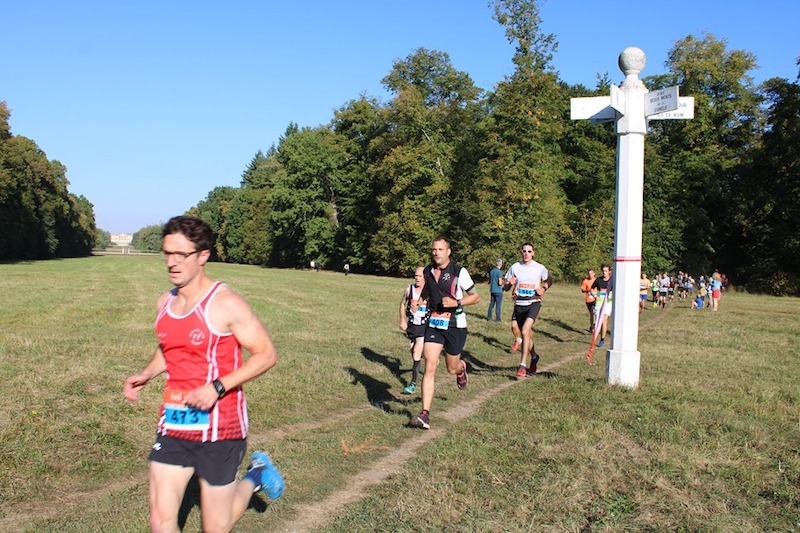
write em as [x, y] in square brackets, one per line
[240, 320]
[546, 284]
[472, 298]
[136, 382]
[403, 322]
[156, 366]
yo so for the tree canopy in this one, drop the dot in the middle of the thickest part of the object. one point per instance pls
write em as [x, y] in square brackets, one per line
[39, 217]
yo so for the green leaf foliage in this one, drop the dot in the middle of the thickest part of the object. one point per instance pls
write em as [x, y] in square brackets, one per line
[491, 170]
[148, 239]
[39, 217]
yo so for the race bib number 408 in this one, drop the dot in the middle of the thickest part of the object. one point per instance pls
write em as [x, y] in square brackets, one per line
[439, 320]
[179, 416]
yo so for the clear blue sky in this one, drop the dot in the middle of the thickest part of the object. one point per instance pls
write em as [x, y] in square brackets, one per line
[152, 104]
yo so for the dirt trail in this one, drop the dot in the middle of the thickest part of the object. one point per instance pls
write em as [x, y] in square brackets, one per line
[320, 512]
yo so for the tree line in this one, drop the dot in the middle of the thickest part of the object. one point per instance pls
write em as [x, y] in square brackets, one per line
[39, 217]
[494, 169]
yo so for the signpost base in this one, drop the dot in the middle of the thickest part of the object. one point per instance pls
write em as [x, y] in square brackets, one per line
[622, 368]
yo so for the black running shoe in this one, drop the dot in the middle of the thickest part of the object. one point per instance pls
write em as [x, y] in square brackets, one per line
[421, 421]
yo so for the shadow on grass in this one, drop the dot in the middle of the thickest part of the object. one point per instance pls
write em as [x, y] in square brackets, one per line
[494, 342]
[392, 363]
[191, 500]
[563, 325]
[378, 392]
[476, 366]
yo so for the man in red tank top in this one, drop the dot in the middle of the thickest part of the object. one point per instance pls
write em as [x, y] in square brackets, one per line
[203, 327]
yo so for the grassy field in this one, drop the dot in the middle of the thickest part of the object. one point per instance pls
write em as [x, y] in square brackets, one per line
[709, 442]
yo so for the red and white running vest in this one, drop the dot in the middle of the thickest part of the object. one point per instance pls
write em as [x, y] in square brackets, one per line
[197, 355]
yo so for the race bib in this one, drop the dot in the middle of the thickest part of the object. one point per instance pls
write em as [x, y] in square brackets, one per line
[179, 416]
[439, 320]
[527, 291]
[601, 297]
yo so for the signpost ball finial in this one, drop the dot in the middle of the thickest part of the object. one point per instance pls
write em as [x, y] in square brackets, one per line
[632, 61]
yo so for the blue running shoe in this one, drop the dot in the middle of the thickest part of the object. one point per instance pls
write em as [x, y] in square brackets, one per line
[265, 476]
[411, 388]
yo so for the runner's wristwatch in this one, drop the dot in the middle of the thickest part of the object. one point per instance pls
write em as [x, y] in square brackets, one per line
[219, 387]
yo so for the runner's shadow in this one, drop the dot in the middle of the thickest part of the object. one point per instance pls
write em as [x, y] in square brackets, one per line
[491, 341]
[562, 325]
[378, 394]
[478, 367]
[547, 334]
[191, 499]
[393, 363]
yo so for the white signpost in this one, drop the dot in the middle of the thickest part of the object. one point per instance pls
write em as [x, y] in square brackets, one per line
[661, 101]
[685, 110]
[631, 105]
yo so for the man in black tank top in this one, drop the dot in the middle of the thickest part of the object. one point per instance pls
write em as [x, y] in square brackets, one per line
[448, 287]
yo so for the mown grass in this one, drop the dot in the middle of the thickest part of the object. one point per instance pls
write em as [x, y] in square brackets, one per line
[709, 442]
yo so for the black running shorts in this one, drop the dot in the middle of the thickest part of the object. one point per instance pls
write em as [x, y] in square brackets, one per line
[216, 462]
[414, 331]
[453, 339]
[524, 312]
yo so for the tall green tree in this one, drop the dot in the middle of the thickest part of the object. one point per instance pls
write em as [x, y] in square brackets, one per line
[517, 181]
[214, 210]
[39, 217]
[432, 105]
[767, 196]
[305, 198]
[590, 186]
[102, 239]
[358, 125]
[702, 158]
[148, 238]
[247, 230]
[263, 170]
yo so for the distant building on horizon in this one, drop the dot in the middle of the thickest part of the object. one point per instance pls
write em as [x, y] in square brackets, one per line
[121, 239]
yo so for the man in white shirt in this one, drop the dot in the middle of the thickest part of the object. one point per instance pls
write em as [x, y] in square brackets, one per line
[529, 281]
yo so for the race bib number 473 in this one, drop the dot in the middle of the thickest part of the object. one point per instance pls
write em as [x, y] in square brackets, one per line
[179, 416]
